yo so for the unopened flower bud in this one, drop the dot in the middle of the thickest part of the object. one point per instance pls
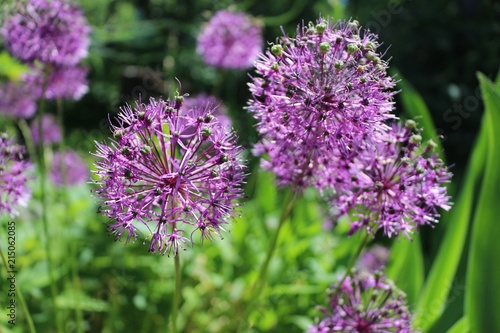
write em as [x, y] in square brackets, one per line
[277, 50]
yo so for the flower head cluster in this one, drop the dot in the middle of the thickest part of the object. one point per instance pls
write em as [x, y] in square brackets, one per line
[318, 98]
[201, 101]
[51, 130]
[374, 259]
[49, 31]
[396, 185]
[230, 40]
[69, 83]
[75, 169]
[17, 100]
[171, 173]
[13, 176]
[365, 303]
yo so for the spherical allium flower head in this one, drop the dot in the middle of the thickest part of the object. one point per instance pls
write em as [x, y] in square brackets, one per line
[317, 98]
[175, 174]
[230, 40]
[77, 171]
[17, 100]
[51, 130]
[49, 31]
[68, 83]
[201, 101]
[396, 185]
[374, 259]
[13, 176]
[365, 303]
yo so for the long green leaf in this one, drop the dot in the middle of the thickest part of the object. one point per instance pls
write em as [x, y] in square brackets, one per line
[432, 301]
[415, 107]
[406, 267]
[483, 274]
[461, 326]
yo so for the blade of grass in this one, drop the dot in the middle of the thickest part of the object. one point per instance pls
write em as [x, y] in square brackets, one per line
[461, 326]
[433, 298]
[483, 275]
[406, 267]
[415, 107]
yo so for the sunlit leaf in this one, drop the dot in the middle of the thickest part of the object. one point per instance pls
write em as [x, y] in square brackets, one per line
[433, 298]
[461, 326]
[406, 266]
[483, 274]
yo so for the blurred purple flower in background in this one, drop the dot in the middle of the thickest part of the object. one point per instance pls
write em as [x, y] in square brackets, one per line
[201, 101]
[51, 130]
[50, 31]
[365, 303]
[230, 40]
[17, 100]
[14, 168]
[77, 171]
[171, 173]
[68, 83]
[318, 98]
[396, 185]
[374, 259]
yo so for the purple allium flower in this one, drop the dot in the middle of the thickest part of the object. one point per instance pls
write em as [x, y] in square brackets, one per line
[396, 185]
[49, 31]
[51, 130]
[374, 259]
[365, 303]
[318, 98]
[17, 100]
[171, 173]
[199, 102]
[68, 83]
[230, 40]
[13, 176]
[77, 171]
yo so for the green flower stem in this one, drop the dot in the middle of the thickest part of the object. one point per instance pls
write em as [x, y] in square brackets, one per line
[177, 292]
[256, 289]
[353, 260]
[62, 143]
[20, 297]
[220, 81]
[43, 196]
[28, 138]
[75, 281]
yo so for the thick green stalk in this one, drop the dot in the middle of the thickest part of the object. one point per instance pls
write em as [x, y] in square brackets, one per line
[290, 202]
[72, 244]
[256, 289]
[62, 143]
[177, 292]
[28, 138]
[43, 197]
[353, 260]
